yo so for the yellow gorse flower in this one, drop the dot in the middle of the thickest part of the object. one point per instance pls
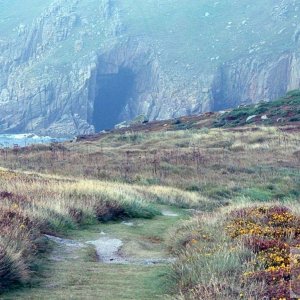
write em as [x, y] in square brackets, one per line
[15, 206]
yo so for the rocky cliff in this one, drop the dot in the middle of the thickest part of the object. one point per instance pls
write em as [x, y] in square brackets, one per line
[255, 79]
[75, 66]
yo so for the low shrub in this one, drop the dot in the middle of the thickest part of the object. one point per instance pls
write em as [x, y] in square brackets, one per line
[270, 233]
[139, 209]
[76, 214]
[108, 210]
[209, 265]
[13, 269]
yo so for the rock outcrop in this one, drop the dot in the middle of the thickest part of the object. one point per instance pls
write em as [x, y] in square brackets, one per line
[77, 69]
[255, 78]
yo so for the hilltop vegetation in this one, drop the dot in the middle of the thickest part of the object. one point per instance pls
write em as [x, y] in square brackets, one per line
[241, 183]
[282, 111]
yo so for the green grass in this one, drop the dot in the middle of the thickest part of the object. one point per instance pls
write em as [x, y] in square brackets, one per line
[55, 207]
[209, 170]
[87, 279]
[257, 194]
[285, 109]
[207, 261]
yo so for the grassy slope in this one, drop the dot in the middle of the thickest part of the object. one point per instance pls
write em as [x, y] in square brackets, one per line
[214, 170]
[85, 279]
[33, 204]
[282, 111]
[219, 163]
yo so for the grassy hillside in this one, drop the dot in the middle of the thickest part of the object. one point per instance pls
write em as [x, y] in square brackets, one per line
[241, 183]
[282, 111]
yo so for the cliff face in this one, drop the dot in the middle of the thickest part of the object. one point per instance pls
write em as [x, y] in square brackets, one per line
[43, 89]
[80, 66]
[252, 79]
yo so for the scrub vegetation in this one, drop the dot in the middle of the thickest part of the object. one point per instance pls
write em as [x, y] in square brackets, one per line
[241, 186]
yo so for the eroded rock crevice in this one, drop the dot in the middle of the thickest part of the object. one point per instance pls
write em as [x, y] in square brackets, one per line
[123, 84]
[112, 93]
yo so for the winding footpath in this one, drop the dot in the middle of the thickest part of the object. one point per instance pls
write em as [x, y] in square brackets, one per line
[112, 261]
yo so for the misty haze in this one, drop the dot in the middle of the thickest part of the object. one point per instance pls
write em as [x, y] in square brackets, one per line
[150, 149]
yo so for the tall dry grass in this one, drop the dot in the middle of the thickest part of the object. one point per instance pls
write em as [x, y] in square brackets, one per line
[239, 252]
[56, 188]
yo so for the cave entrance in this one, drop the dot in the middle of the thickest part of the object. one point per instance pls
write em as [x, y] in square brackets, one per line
[113, 92]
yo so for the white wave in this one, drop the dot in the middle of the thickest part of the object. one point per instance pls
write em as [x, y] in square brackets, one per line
[25, 139]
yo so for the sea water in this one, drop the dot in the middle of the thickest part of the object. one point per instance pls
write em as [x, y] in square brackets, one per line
[23, 140]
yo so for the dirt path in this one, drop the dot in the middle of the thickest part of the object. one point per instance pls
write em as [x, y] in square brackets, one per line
[114, 261]
[108, 249]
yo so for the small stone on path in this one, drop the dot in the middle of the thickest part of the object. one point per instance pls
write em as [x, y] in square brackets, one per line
[167, 213]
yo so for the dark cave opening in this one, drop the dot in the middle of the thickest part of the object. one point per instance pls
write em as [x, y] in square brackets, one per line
[113, 92]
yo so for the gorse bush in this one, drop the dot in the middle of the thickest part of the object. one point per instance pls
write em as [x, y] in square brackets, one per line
[245, 253]
[270, 232]
[209, 265]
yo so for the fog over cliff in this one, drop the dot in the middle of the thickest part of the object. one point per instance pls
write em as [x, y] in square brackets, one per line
[79, 66]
